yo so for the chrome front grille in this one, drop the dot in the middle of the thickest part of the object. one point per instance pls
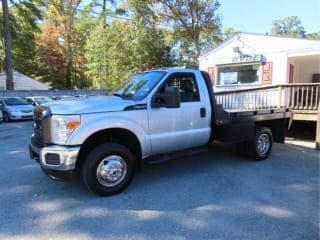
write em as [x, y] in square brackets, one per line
[40, 125]
[26, 111]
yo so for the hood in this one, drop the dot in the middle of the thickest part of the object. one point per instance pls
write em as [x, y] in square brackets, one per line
[89, 105]
[19, 107]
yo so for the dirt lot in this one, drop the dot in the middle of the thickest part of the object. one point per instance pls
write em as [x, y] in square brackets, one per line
[212, 195]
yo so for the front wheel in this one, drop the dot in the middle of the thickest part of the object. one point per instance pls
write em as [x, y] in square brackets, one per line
[260, 148]
[6, 117]
[108, 169]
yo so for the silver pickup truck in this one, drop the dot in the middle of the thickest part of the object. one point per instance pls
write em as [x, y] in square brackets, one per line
[156, 113]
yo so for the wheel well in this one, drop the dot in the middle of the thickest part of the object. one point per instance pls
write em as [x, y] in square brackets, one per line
[113, 135]
[278, 128]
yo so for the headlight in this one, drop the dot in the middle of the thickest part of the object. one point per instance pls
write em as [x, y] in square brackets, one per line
[62, 127]
[13, 111]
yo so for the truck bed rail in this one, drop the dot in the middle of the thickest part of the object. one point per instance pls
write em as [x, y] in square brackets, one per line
[304, 96]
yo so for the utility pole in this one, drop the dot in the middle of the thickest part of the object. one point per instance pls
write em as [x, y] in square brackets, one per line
[7, 46]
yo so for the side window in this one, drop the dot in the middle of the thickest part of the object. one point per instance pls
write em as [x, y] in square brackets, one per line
[187, 85]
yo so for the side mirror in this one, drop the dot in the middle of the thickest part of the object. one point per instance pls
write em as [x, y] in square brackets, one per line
[170, 98]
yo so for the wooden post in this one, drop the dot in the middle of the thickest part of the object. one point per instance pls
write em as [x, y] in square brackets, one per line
[279, 96]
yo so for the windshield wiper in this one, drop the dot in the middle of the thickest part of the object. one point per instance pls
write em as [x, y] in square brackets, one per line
[117, 95]
[128, 96]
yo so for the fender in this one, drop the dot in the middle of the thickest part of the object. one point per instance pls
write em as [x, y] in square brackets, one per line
[92, 125]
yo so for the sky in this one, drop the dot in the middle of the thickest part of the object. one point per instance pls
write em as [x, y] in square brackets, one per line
[256, 16]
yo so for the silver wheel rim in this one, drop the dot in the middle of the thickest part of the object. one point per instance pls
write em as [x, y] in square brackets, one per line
[263, 144]
[111, 171]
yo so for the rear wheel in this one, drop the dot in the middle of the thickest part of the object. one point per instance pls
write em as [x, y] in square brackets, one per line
[108, 169]
[260, 148]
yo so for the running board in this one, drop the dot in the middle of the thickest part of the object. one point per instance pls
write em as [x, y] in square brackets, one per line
[154, 159]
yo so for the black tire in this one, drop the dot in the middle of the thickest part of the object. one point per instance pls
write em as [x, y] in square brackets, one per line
[260, 148]
[6, 117]
[104, 162]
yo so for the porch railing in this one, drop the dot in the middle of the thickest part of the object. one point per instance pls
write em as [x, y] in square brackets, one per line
[299, 96]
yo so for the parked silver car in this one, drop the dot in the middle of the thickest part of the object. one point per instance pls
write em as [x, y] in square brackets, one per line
[1, 117]
[38, 100]
[15, 108]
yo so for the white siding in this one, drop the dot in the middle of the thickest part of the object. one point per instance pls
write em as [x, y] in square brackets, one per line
[269, 44]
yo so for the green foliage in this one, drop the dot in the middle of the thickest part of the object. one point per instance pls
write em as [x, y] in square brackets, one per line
[60, 45]
[96, 57]
[99, 45]
[313, 36]
[114, 52]
[229, 32]
[196, 25]
[288, 27]
[24, 17]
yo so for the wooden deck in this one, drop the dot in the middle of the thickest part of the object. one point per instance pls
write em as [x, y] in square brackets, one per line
[302, 99]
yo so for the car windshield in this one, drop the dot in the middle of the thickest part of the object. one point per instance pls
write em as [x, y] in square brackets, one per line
[15, 101]
[139, 85]
[41, 100]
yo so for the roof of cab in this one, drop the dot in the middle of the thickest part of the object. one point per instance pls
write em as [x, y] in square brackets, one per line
[174, 69]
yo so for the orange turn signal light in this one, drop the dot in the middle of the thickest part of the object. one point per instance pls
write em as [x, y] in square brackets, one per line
[72, 125]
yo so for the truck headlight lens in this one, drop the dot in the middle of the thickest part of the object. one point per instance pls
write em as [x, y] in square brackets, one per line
[62, 126]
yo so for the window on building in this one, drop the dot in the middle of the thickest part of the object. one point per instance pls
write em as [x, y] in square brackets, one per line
[241, 74]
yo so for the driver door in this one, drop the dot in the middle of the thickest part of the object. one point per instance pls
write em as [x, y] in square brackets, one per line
[183, 127]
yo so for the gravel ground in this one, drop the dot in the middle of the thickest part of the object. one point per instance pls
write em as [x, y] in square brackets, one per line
[211, 195]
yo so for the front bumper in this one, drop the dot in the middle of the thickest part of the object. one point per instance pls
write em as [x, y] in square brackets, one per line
[20, 116]
[55, 160]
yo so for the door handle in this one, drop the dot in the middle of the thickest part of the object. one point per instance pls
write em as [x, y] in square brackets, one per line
[203, 112]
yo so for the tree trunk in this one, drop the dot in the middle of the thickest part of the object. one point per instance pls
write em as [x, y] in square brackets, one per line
[69, 62]
[196, 40]
[7, 46]
[104, 5]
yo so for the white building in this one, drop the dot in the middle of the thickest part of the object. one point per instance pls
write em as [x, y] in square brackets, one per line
[252, 71]
[251, 60]
[22, 82]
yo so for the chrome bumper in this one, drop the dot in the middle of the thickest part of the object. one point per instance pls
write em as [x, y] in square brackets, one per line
[64, 157]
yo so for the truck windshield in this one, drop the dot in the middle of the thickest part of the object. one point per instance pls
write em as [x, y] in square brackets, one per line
[139, 85]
